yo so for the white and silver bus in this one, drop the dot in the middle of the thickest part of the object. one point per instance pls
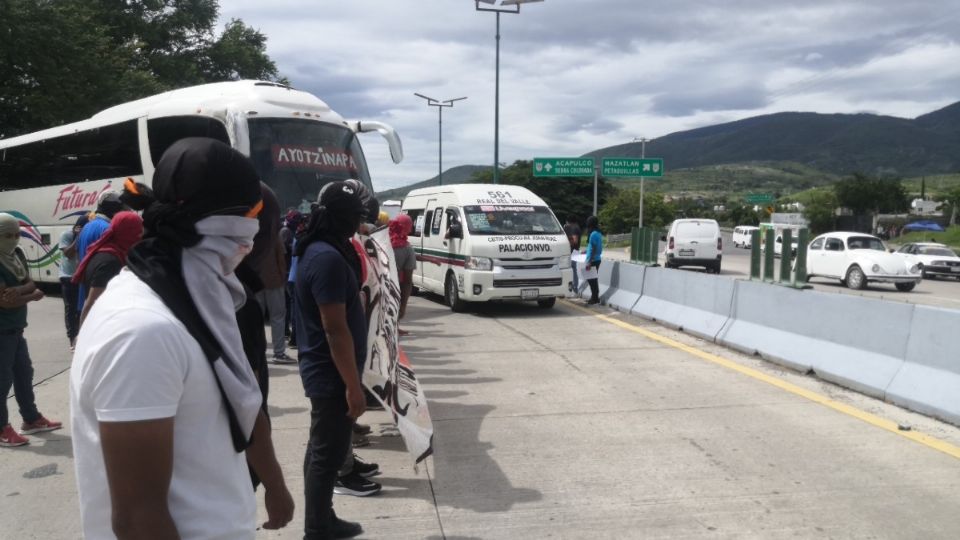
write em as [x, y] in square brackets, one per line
[297, 143]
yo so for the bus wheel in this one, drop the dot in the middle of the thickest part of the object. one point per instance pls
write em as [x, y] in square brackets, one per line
[452, 295]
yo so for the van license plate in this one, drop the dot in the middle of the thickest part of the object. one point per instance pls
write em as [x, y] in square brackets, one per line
[529, 294]
[687, 253]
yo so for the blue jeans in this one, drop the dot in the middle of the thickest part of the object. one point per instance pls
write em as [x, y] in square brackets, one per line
[16, 370]
[329, 441]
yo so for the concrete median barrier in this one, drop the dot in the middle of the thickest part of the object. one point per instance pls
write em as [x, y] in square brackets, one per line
[604, 275]
[856, 342]
[697, 303]
[626, 286]
[929, 381]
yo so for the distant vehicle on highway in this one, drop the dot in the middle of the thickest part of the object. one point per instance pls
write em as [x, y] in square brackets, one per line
[743, 236]
[857, 259]
[694, 242]
[778, 246]
[481, 242]
[934, 259]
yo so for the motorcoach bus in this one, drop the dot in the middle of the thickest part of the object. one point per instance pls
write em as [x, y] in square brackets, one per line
[297, 143]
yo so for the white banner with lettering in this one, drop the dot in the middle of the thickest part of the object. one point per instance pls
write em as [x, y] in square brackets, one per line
[388, 373]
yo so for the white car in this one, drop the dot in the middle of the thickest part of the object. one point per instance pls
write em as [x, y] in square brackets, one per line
[934, 259]
[743, 236]
[857, 259]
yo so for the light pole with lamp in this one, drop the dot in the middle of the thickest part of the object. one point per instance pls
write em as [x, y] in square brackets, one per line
[643, 154]
[439, 105]
[496, 100]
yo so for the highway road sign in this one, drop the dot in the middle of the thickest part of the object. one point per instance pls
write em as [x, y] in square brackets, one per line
[759, 198]
[632, 167]
[553, 167]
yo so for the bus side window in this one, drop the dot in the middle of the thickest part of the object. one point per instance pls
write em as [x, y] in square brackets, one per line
[165, 131]
[106, 152]
[417, 217]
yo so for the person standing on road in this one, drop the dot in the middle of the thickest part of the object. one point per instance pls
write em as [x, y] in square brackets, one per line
[331, 334]
[68, 290]
[405, 257]
[272, 270]
[16, 368]
[593, 256]
[572, 230]
[106, 257]
[109, 204]
[165, 409]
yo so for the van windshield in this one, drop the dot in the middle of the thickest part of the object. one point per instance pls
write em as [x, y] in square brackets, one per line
[510, 220]
[696, 230]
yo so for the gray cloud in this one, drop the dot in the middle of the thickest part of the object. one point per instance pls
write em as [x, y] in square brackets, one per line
[579, 75]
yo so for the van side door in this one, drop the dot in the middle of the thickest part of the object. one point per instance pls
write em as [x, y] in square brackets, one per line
[432, 248]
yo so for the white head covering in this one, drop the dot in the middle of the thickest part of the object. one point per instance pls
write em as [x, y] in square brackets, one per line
[9, 238]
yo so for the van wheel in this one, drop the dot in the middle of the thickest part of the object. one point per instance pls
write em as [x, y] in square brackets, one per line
[452, 295]
[547, 303]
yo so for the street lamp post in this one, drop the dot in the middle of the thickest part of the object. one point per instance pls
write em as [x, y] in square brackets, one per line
[499, 8]
[643, 154]
[431, 102]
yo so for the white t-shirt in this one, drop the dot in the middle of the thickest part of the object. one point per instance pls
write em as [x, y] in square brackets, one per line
[135, 361]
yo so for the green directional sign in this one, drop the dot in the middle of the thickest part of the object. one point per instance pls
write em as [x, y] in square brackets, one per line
[632, 167]
[759, 198]
[551, 167]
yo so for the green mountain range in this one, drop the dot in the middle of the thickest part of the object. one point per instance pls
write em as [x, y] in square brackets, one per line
[786, 152]
[836, 144]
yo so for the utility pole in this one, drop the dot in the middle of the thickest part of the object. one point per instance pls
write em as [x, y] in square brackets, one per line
[643, 154]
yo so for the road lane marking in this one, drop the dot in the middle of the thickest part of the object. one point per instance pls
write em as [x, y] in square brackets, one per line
[872, 419]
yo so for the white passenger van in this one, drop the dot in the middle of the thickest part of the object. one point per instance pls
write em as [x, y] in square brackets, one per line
[743, 236]
[694, 242]
[480, 242]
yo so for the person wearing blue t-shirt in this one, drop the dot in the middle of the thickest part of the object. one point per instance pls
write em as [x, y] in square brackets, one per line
[331, 335]
[108, 205]
[593, 256]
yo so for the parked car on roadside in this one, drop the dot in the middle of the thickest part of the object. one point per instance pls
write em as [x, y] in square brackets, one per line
[694, 242]
[934, 259]
[857, 259]
[743, 236]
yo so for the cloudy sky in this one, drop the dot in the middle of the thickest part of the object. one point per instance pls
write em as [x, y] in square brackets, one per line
[577, 75]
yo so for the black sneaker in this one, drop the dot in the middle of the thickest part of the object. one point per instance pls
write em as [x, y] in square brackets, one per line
[359, 441]
[345, 529]
[282, 358]
[356, 485]
[363, 468]
[361, 429]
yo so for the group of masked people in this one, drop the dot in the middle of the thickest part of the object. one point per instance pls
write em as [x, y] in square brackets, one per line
[169, 382]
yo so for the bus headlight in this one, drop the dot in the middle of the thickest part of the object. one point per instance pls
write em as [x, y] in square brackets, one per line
[564, 263]
[479, 263]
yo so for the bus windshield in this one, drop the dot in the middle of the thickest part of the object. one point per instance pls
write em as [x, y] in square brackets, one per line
[511, 220]
[297, 157]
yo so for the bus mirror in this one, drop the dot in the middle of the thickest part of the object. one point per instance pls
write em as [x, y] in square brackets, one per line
[456, 231]
[388, 133]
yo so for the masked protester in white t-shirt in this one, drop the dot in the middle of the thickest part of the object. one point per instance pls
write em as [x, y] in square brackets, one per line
[166, 410]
